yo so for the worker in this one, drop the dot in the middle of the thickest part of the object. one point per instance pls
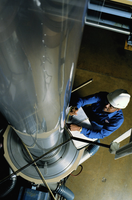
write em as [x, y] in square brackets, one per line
[105, 112]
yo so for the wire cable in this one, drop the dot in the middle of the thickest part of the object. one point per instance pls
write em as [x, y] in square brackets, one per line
[78, 172]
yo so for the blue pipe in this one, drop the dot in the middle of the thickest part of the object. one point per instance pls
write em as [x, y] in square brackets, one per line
[92, 149]
[65, 192]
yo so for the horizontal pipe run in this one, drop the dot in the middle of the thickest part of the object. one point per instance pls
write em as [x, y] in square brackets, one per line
[107, 28]
[109, 10]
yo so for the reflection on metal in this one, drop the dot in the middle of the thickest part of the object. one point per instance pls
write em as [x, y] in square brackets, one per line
[19, 161]
[39, 45]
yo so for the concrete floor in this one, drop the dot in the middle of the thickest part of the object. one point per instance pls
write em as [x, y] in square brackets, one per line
[103, 57]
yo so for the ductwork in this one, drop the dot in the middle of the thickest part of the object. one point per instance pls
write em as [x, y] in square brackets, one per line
[39, 47]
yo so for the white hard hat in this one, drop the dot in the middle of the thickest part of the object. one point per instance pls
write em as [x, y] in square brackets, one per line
[119, 98]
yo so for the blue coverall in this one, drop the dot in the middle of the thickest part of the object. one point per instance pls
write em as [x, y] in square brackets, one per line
[103, 123]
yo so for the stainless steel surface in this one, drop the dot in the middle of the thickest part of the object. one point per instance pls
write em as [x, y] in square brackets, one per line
[39, 47]
[124, 151]
[107, 28]
[49, 170]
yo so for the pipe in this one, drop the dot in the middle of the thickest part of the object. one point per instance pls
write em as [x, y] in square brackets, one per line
[65, 192]
[91, 142]
[89, 81]
[92, 149]
[89, 152]
[107, 28]
[8, 186]
[85, 156]
[37, 67]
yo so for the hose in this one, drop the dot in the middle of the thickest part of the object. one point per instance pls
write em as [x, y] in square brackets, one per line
[92, 149]
[8, 186]
[65, 192]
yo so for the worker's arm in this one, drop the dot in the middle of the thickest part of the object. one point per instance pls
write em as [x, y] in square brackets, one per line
[84, 101]
[88, 100]
[106, 130]
[91, 99]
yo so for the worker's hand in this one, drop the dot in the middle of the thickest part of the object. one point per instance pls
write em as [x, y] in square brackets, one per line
[73, 111]
[74, 127]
